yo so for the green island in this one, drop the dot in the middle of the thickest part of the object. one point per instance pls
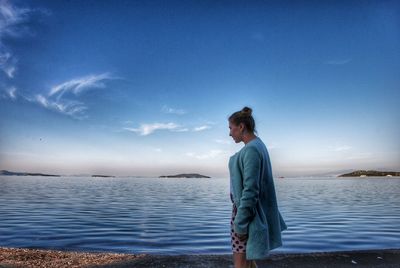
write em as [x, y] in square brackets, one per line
[185, 175]
[371, 173]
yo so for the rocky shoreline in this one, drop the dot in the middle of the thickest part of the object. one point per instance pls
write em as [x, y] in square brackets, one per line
[21, 257]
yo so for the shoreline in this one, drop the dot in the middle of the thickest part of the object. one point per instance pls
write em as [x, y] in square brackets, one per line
[25, 257]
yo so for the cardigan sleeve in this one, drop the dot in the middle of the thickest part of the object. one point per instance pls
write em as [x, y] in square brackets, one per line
[250, 193]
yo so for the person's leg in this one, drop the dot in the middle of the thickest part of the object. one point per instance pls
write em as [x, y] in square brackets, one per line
[239, 261]
[239, 247]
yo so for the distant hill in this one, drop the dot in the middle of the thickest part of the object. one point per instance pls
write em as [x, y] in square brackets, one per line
[334, 173]
[103, 176]
[11, 173]
[190, 175]
[370, 173]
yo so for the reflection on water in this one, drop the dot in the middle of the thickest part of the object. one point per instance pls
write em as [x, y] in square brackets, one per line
[183, 216]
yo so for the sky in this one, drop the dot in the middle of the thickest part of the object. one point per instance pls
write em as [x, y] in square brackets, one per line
[145, 88]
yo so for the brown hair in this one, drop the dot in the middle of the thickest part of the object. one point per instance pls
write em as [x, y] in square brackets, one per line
[244, 116]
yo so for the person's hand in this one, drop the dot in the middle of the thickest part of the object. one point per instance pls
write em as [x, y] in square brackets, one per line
[242, 237]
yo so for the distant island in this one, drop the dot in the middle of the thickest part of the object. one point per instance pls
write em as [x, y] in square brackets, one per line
[103, 176]
[10, 173]
[190, 175]
[371, 173]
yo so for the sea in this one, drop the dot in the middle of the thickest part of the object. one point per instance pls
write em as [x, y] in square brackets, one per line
[177, 216]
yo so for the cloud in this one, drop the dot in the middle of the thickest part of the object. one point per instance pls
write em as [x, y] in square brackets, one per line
[13, 23]
[42, 100]
[10, 70]
[80, 84]
[211, 154]
[360, 156]
[7, 62]
[68, 107]
[170, 110]
[11, 93]
[341, 148]
[73, 108]
[180, 130]
[11, 17]
[338, 62]
[201, 128]
[147, 129]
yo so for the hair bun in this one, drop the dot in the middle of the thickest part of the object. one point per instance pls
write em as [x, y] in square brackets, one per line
[247, 111]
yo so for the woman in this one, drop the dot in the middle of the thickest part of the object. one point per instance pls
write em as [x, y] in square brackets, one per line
[256, 224]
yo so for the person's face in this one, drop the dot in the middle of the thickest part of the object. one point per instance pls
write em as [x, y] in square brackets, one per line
[236, 132]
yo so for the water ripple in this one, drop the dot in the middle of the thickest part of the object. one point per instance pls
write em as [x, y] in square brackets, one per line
[191, 216]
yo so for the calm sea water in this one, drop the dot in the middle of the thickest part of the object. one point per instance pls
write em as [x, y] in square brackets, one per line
[185, 216]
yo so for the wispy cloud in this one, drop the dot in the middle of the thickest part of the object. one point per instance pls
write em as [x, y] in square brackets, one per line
[42, 100]
[170, 110]
[211, 154]
[223, 141]
[12, 92]
[340, 148]
[201, 128]
[11, 17]
[338, 62]
[359, 156]
[147, 129]
[80, 84]
[181, 130]
[13, 23]
[7, 62]
[72, 108]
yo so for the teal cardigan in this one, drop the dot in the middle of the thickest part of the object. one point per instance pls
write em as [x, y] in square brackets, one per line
[254, 196]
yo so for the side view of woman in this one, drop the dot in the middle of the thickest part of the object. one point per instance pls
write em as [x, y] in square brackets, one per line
[256, 223]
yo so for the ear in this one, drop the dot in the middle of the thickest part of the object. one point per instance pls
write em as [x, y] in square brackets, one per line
[241, 126]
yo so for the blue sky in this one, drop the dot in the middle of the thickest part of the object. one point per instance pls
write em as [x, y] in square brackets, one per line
[146, 87]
